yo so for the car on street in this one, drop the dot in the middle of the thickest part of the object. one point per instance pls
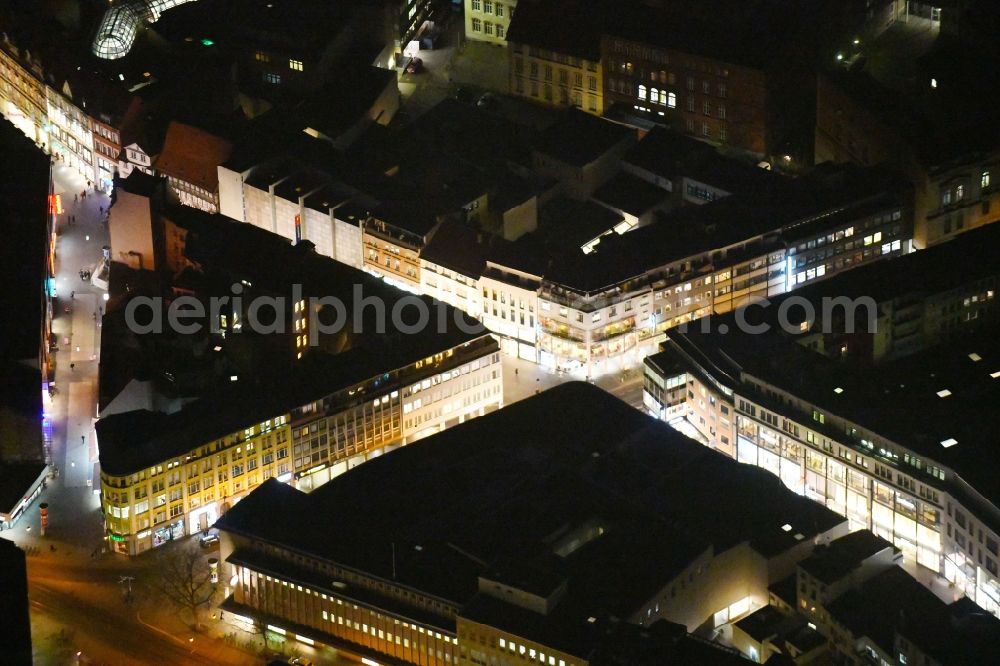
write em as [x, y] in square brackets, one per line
[208, 539]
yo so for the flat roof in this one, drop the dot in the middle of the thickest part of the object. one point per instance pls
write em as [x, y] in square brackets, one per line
[789, 208]
[235, 251]
[832, 562]
[899, 400]
[14, 603]
[521, 483]
[24, 190]
[963, 260]
[630, 194]
[300, 184]
[578, 138]
[565, 224]
[894, 602]
[746, 33]
[327, 197]
[561, 26]
[16, 480]
[459, 247]
[671, 155]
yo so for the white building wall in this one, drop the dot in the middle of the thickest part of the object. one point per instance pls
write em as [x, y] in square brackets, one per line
[511, 312]
[347, 243]
[231, 203]
[259, 208]
[284, 217]
[452, 397]
[318, 228]
[450, 287]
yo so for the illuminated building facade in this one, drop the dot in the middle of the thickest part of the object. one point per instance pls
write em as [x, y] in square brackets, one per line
[296, 404]
[602, 313]
[712, 99]
[487, 21]
[22, 93]
[391, 563]
[911, 471]
[392, 240]
[306, 446]
[555, 55]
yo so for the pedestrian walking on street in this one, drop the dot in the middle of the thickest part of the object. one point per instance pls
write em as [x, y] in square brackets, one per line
[76, 197]
[72, 367]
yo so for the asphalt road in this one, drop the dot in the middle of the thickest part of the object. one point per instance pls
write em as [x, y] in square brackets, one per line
[100, 631]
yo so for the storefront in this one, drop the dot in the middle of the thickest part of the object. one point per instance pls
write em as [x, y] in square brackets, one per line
[161, 536]
[202, 518]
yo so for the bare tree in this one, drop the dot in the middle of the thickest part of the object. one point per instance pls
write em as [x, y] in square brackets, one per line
[184, 578]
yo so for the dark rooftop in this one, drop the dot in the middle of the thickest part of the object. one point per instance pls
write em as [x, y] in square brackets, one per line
[746, 33]
[565, 224]
[460, 248]
[672, 155]
[562, 26]
[899, 401]
[234, 252]
[570, 457]
[630, 194]
[763, 624]
[579, 138]
[24, 190]
[823, 199]
[832, 562]
[968, 257]
[894, 602]
[15, 480]
[14, 604]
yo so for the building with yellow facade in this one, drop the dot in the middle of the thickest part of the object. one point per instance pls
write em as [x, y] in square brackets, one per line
[552, 532]
[192, 423]
[556, 67]
[488, 20]
[897, 448]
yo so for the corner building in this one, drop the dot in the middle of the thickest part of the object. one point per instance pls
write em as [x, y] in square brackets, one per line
[298, 412]
[901, 449]
[532, 535]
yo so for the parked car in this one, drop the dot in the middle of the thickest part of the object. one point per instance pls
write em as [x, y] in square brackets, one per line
[415, 66]
[208, 539]
[488, 102]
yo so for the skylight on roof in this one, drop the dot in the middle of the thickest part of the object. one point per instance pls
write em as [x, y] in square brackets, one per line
[786, 527]
[799, 536]
[943, 393]
[838, 390]
[975, 357]
[948, 443]
[996, 374]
